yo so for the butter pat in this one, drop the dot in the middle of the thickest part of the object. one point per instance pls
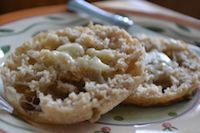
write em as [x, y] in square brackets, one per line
[156, 57]
[73, 49]
[105, 55]
[158, 63]
[61, 57]
[57, 57]
[93, 63]
[74, 53]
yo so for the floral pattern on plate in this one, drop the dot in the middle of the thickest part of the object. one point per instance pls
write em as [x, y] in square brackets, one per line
[183, 116]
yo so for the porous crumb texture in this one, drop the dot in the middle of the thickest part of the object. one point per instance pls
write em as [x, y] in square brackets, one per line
[73, 74]
[172, 78]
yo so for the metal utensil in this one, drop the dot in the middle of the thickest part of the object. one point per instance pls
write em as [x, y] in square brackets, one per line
[82, 6]
[5, 106]
[129, 25]
[124, 22]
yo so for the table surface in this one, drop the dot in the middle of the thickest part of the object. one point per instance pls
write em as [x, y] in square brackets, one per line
[120, 6]
[177, 5]
[189, 121]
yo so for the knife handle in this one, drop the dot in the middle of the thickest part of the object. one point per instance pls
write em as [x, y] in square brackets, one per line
[82, 6]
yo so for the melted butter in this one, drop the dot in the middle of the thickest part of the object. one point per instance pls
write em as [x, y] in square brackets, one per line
[56, 57]
[59, 57]
[74, 52]
[157, 63]
[73, 49]
[156, 57]
[105, 55]
[93, 63]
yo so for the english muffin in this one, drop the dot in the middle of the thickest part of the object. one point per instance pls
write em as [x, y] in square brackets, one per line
[172, 73]
[72, 74]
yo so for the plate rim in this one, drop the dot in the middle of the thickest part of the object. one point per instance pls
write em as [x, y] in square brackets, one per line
[44, 10]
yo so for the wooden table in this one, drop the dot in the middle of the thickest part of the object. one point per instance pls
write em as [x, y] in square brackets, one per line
[120, 6]
[189, 7]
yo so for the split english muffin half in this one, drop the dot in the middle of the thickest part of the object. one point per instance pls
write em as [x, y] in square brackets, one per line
[73, 74]
[172, 73]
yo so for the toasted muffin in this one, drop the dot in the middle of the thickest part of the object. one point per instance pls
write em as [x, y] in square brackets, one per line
[72, 74]
[172, 73]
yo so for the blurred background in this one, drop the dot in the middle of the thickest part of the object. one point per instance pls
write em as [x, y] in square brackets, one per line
[188, 7]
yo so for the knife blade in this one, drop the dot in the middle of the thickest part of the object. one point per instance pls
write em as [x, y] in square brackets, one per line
[129, 25]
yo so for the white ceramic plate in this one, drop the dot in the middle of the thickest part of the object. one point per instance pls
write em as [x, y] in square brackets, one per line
[183, 117]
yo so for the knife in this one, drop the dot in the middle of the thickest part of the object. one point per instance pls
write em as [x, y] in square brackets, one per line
[129, 25]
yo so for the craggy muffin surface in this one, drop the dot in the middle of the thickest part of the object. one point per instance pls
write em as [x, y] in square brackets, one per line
[73, 74]
[172, 73]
